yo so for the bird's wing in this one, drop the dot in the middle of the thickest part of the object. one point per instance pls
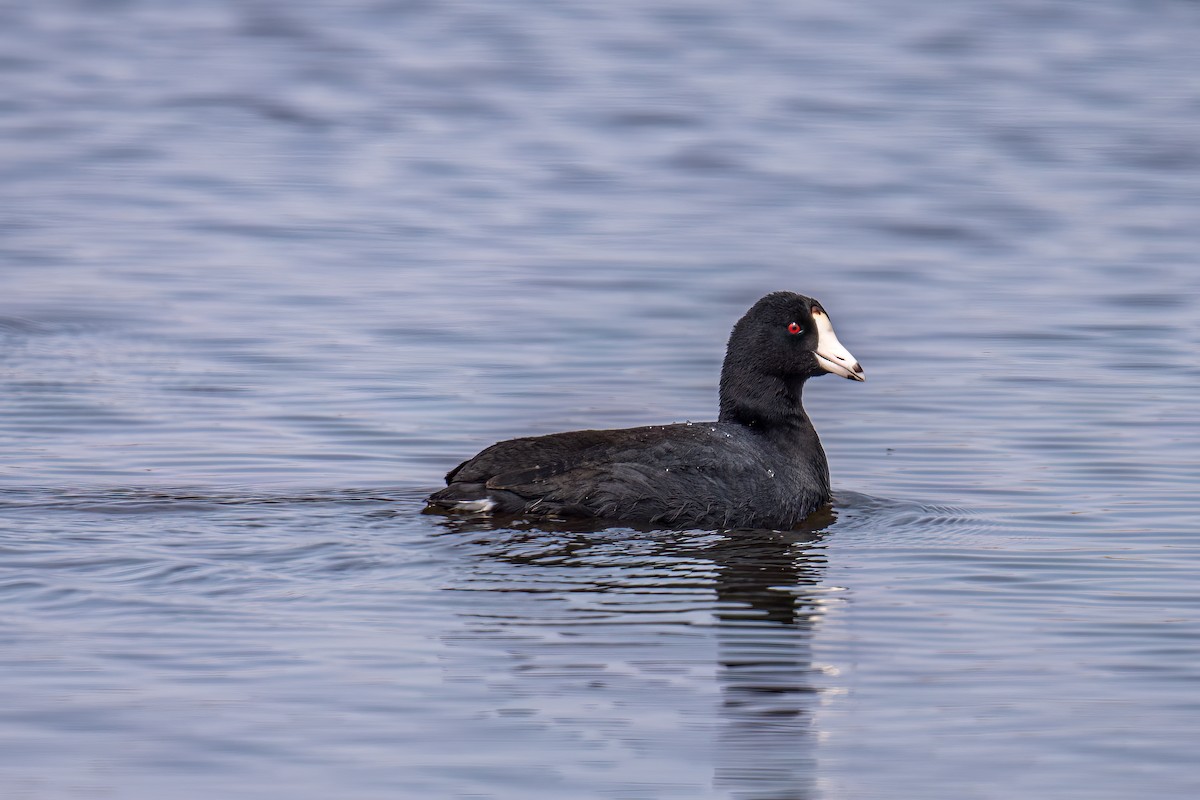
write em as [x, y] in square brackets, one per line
[546, 455]
[656, 473]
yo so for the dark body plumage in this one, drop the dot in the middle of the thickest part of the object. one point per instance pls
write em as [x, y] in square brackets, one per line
[760, 465]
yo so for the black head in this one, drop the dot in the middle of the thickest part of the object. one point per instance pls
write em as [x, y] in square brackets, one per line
[782, 341]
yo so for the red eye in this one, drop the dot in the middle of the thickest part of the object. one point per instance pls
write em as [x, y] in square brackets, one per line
[794, 328]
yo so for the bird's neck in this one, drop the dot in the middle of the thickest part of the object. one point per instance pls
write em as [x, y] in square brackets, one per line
[775, 411]
[763, 402]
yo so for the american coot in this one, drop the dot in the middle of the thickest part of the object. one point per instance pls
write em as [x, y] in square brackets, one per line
[760, 465]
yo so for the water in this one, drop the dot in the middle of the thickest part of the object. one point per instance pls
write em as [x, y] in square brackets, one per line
[268, 270]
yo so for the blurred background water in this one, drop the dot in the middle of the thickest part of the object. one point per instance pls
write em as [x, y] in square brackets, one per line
[268, 270]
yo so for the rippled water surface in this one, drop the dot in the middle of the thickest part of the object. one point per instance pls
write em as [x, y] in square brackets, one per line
[268, 270]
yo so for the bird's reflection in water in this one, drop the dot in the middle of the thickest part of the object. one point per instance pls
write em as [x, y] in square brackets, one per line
[766, 585]
[766, 602]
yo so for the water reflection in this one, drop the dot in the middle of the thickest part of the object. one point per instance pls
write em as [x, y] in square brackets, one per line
[760, 588]
[767, 608]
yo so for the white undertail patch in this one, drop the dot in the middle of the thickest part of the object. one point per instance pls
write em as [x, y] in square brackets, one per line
[475, 506]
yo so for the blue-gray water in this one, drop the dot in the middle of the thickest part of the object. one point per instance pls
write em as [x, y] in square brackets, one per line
[268, 270]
